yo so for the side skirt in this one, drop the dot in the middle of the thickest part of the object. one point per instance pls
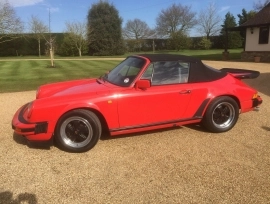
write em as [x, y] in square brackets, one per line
[147, 127]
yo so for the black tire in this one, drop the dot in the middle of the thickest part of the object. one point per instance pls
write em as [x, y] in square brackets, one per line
[78, 131]
[221, 114]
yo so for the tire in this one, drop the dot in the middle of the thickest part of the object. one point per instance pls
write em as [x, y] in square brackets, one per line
[78, 131]
[221, 114]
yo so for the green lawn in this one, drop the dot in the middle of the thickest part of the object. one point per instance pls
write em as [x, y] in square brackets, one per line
[28, 75]
[22, 74]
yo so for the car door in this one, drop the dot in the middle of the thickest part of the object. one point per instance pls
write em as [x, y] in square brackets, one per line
[164, 102]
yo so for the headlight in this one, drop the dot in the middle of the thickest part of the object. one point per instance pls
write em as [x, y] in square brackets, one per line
[29, 109]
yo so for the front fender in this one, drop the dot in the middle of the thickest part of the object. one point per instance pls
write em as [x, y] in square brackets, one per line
[70, 107]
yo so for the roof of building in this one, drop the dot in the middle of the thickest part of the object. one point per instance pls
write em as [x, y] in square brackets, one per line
[260, 19]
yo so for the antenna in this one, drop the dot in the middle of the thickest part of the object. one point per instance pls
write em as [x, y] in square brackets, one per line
[50, 22]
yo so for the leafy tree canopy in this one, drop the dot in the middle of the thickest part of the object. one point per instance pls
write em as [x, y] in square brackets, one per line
[105, 37]
[233, 39]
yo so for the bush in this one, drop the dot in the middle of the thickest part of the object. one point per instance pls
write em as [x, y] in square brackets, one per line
[205, 44]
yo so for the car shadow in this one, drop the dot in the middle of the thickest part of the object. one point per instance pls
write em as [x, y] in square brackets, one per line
[266, 128]
[34, 145]
[261, 84]
[7, 197]
[197, 127]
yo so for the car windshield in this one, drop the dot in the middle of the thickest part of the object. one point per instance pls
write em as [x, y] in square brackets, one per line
[125, 73]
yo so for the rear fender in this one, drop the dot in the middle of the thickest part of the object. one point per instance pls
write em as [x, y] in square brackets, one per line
[231, 96]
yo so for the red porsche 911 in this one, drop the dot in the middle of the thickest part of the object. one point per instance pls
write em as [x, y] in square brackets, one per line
[143, 92]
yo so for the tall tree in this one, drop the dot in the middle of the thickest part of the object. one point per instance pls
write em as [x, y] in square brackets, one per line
[175, 18]
[77, 33]
[10, 24]
[245, 16]
[233, 39]
[242, 19]
[136, 32]
[38, 28]
[209, 23]
[260, 4]
[136, 29]
[106, 25]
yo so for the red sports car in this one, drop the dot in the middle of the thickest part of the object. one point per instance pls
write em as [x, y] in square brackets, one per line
[143, 92]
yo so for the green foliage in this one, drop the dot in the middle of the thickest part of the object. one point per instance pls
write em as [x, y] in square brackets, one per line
[233, 39]
[245, 16]
[179, 41]
[28, 45]
[106, 30]
[68, 47]
[134, 45]
[216, 42]
[205, 44]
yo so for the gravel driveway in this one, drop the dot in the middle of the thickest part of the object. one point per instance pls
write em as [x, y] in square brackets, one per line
[181, 165]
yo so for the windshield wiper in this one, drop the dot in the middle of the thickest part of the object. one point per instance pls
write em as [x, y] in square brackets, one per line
[102, 78]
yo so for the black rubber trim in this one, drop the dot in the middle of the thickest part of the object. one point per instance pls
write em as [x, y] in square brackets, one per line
[242, 73]
[20, 117]
[256, 102]
[41, 127]
[200, 110]
[172, 122]
[25, 129]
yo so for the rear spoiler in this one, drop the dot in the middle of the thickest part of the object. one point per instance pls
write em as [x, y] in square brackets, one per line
[241, 73]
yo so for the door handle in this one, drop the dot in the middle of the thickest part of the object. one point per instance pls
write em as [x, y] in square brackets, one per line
[185, 92]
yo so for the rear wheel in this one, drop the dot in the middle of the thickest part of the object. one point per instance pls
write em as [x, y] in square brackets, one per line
[78, 131]
[221, 114]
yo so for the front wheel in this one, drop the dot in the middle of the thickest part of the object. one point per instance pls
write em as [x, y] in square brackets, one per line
[78, 131]
[221, 114]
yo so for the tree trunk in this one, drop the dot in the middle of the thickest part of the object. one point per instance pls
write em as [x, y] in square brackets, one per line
[51, 55]
[39, 48]
[80, 52]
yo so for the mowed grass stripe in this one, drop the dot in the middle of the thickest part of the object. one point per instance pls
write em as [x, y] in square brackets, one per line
[28, 75]
[4, 68]
[71, 70]
[97, 68]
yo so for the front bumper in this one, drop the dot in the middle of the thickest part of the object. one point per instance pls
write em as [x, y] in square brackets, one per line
[32, 131]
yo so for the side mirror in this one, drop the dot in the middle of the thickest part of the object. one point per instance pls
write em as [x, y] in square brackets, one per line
[143, 84]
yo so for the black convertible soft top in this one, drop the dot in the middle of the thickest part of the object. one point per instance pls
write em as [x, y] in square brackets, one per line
[198, 72]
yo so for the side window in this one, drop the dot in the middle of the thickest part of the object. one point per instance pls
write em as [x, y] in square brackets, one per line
[148, 73]
[184, 71]
[170, 73]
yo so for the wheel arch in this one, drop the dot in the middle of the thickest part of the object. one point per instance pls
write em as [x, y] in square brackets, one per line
[100, 116]
[227, 115]
[235, 98]
[225, 95]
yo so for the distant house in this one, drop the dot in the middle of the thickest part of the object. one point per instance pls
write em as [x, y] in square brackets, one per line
[257, 42]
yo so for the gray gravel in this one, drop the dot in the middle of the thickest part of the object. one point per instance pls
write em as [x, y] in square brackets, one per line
[181, 165]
